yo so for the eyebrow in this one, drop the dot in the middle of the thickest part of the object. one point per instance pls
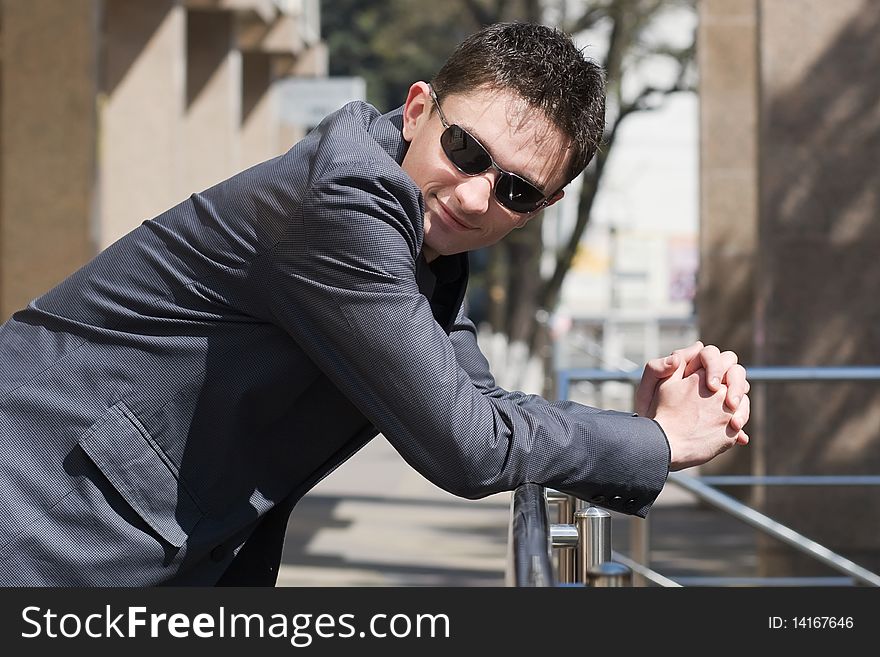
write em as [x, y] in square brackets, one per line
[529, 180]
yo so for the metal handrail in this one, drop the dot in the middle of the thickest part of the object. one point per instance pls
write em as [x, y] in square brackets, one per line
[754, 374]
[700, 486]
[775, 529]
[791, 480]
[529, 558]
[587, 538]
[644, 571]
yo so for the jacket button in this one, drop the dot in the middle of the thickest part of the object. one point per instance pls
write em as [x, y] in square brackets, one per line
[616, 500]
[218, 553]
[632, 502]
[598, 499]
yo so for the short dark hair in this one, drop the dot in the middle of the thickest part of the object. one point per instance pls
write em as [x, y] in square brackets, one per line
[544, 67]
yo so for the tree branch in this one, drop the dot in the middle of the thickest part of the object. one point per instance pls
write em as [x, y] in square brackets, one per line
[588, 19]
[549, 294]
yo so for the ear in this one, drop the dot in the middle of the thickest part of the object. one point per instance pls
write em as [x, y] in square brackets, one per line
[417, 109]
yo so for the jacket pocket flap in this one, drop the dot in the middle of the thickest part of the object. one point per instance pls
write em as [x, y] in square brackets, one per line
[142, 474]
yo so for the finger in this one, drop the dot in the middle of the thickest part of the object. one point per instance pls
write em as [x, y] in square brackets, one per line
[737, 385]
[716, 364]
[741, 417]
[708, 354]
[660, 368]
[690, 352]
[655, 371]
[732, 440]
[742, 438]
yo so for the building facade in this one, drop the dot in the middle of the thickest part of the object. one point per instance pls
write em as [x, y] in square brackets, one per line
[115, 110]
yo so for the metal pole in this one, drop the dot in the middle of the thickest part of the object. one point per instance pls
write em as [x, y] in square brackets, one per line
[528, 538]
[563, 536]
[639, 535]
[645, 573]
[639, 545]
[769, 526]
[594, 539]
[609, 574]
[566, 557]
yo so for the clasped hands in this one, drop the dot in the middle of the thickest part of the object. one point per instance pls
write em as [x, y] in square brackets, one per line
[699, 396]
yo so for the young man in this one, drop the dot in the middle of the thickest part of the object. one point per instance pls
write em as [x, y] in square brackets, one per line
[163, 408]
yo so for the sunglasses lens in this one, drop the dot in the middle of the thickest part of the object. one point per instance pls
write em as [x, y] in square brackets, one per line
[469, 156]
[517, 194]
[464, 151]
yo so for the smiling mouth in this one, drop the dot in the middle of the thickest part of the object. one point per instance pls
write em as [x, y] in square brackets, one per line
[452, 219]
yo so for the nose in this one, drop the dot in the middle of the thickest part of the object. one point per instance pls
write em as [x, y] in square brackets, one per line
[473, 193]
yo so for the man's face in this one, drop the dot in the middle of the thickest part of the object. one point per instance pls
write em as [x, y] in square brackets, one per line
[461, 211]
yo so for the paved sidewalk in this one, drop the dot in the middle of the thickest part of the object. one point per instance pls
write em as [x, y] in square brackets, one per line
[377, 522]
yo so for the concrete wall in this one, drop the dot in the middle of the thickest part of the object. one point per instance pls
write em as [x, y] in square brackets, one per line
[814, 258]
[819, 265]
[48, 189]
[213, 99]
[115, 110]
[727, 57]
[140, 112]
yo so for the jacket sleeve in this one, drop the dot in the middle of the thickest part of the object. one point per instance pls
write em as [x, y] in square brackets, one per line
[631, 438]
[342, 283]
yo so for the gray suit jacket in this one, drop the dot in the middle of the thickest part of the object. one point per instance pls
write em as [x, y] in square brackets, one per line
[164, 407]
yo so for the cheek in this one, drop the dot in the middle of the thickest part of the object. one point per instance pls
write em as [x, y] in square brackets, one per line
[428, 172]
[418, 162]
[507, 222]
[501, 226]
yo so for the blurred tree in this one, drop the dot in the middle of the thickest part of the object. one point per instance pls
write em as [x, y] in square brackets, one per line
[392, 43]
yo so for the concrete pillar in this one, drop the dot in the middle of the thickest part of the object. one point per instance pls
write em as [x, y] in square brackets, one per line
[819, 267]
[814, 263]
[49, 81]
[728, 63]
[141, 113]
[213, 95]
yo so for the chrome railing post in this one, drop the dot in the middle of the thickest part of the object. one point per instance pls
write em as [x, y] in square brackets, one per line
[758, 479]
[640, 545]
[584, 547]
[566, 556]
[639, 530]
[608, 574]
[594, 539]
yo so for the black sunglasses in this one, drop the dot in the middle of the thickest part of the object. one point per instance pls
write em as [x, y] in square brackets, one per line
[471, 158]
